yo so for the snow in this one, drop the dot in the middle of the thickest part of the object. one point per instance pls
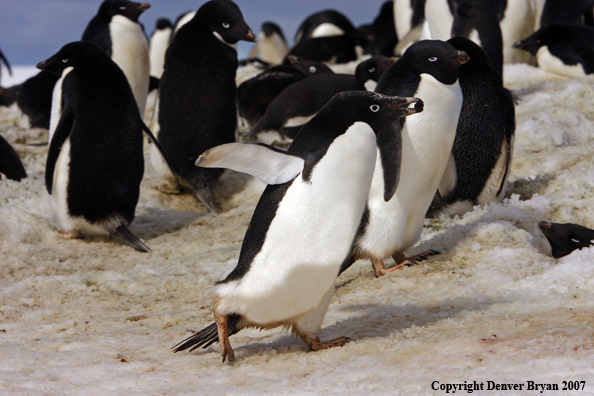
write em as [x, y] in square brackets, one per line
[93, 317]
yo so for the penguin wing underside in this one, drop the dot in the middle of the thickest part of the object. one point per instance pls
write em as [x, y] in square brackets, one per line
[272, 166]
[59, 137]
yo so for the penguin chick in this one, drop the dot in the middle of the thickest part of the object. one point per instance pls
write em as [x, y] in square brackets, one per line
[567, 50]
[298, 236]
[117, 31]
[197, 94]
[300, 101]
[481, 156]
[95, 160]
[412, 155]
[565, 238]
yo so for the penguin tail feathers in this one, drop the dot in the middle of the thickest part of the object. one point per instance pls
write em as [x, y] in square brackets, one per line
[208, 336]
[119, 231]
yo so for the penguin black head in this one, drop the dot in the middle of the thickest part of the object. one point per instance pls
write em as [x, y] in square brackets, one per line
[565, 238]
[163, 23]
[373, 108]
[474, 51]
[436, 58]
[224, 19]
[73, 55]
[534, 42]
[373, 68]
[128, 9]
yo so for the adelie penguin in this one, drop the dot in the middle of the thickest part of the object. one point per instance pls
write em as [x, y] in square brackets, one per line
[300, 101]
[481, 156]
[254, 95]
[117, 31]
[95, 161]
[567, 50]
[298, 236]
[158, 45]
[565, 238]
[197, 108]
[272, 46]
[412, 154]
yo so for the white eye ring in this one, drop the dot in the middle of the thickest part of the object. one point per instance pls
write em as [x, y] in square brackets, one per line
[65, 60]
[226, 25]
[122, 7]
[575, 240]
[312, 69]
[433, 59]
[375, 108]
[371, 69]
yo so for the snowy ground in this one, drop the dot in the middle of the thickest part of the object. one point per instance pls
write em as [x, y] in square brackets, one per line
[92, 317]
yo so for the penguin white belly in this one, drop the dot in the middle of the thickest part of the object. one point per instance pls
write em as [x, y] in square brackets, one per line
[402, 16]
[159, 44]
[309, 237]
[439, 20]
[130, 51]
[427, 140]
[60, 197]
[499, 172]
[272, 49]
[516, 25]
[56, 111]
[159, 163]
[551, 63]
[326, 29]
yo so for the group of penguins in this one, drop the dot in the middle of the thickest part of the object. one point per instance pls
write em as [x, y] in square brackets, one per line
[353, 163]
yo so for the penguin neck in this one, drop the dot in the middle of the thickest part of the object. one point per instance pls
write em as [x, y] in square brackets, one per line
[222, 40]
[398, 81]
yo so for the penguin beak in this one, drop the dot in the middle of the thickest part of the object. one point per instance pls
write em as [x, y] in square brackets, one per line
[463, 57]
[412, 105]
[518, 45]
[293, 60]
[250, 36]
[41, 65]
[544, 226]
[143, 6]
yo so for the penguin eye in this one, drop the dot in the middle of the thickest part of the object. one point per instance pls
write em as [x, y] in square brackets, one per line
[371, 69]
[65, 60]
[312, 69]
[433, 59]
[374, 108]
[226, 25]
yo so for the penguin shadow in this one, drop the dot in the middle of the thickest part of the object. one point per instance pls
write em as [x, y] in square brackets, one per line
[526, 188]
[155, 222]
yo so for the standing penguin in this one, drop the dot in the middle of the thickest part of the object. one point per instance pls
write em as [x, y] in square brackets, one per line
[481, 156]
[413, 154]
[197, 107]
[117, 31]
[272, 46]
[299, 236]
[159, 43]
[95, 161]
[567, 50]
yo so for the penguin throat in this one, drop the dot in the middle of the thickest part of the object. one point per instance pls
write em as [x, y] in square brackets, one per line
[222, 40]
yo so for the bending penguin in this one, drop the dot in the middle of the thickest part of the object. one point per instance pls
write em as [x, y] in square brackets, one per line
[565, 238]
[479, 165]
[197, 95]
[298, 237]
[412, 155]
[95, 160]
[117, 31]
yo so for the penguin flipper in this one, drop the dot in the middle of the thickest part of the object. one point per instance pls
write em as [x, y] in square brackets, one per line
[10, 163]
[389, 141]
[271, 165]
[208, 336]
[119, 231]
[58, 138]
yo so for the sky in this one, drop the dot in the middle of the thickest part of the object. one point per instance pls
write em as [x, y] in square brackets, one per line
[33, 30]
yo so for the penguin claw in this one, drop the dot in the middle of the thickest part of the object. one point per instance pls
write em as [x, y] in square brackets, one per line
[204, 195]
[315, 344]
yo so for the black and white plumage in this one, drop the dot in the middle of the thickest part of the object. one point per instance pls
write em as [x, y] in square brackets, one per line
[575, 12]
[482, 152]
[329, 49]
[254, 95]
[117, 31]
[298, 236]
[197, 94]
[271, 47]
[158, 45]
[300, 101]
[324, 24]
[383, 32]
[412, 154]
[565, 238]
[95, 161]
[11, 165]
[567, 50]
[35, 99]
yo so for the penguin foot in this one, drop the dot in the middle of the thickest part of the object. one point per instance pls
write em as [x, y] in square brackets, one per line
[223, 330]
[70, 235]
[423, 256]
[204, 195]
[380, 269]
[315, 344]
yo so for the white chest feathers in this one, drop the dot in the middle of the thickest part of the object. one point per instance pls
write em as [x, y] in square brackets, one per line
[551, 63]
[310, 236]
[272, 49]
[56, 112]
[159, 44]
[130, 51]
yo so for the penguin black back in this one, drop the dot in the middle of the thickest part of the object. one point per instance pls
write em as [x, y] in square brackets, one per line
[383, 32]
[565, 238]
[330, 17]
[575, 12]
[10, 163]
[197, 107]
[35, 98]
